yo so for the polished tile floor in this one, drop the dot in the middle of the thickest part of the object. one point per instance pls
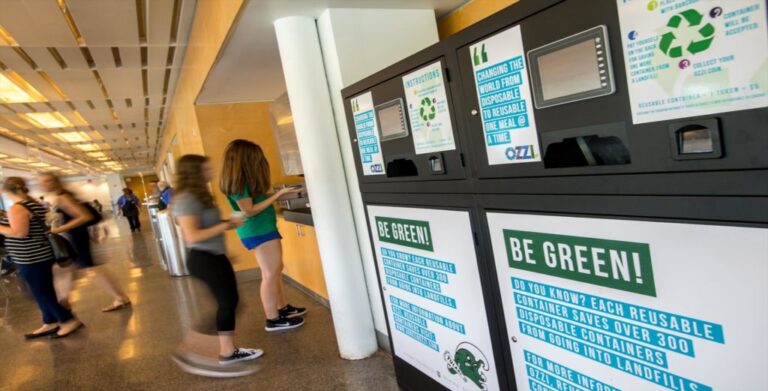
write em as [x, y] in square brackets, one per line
[130, 349]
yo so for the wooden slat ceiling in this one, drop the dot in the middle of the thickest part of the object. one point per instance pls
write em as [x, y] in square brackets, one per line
[109, 66]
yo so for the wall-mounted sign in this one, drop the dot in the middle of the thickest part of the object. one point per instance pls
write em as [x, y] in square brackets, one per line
[431, 287]
[428, 110]
[601, 304]
[504, 96]
[367, 132]
[688, 58]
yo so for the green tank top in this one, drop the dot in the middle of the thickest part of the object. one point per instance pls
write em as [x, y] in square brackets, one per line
[260, 224]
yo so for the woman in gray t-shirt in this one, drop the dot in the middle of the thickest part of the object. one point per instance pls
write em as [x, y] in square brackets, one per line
[203, 232]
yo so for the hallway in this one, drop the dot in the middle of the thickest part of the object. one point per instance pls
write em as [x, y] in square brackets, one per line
[130, 349]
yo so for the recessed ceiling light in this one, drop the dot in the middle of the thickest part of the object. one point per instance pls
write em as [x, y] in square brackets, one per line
[87, 147]
[96, 154]
[47, 120]
[72, 137]
[39, 165]
[11, 93]
[3, 156]
[18, 160]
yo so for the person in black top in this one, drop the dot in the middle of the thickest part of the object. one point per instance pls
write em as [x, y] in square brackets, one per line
[130, 206]
[75, 217]
[25, 239]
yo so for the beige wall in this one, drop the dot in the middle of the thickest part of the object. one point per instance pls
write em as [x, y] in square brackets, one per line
[469, 14]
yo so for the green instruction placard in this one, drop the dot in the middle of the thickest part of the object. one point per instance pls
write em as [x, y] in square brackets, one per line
[409, 233]
[611, 263]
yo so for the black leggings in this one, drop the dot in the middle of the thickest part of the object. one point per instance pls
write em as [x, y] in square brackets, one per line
[217, 274]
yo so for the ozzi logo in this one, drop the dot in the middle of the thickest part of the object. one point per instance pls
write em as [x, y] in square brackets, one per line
[377, 167]
[521, 152]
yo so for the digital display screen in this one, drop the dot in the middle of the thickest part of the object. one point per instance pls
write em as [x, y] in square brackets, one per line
[571, 70]
[391, 121]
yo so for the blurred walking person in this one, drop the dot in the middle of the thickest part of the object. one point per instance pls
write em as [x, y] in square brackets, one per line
[75, 220]
[25, 239]
[203, 233]
[130, 206]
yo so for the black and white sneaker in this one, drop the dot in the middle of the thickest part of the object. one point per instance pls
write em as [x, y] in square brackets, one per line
[239, 355]
[283, 323]
[290, 311]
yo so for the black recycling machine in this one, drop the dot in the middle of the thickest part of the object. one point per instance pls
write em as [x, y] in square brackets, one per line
[571, 195]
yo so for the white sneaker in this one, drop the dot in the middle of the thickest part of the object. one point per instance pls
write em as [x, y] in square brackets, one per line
[241, 354]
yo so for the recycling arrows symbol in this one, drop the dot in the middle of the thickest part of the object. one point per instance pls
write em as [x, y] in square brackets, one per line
[427, 111]
[674, 49]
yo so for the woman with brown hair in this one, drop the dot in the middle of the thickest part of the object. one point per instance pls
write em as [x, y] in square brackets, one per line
[75, 218]
[203, 233]
[245, 180]
[25, 239]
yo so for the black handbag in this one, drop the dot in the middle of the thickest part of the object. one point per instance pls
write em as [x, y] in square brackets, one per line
[63, 252]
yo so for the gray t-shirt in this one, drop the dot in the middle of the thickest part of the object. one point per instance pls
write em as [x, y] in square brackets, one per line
[186, 204]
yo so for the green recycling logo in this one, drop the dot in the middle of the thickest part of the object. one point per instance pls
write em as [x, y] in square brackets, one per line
[469, 363]
[428, 111]
[670, 44]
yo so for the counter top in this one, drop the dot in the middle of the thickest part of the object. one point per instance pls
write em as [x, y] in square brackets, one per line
[300, 216]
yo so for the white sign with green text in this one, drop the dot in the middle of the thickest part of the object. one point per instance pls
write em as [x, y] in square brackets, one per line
[504, 98]
[687, 58]
[367, 135]
[428, 110]
[603, 304]
[431, 285]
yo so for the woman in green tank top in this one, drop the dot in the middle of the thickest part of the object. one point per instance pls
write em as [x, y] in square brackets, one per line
[245, 180]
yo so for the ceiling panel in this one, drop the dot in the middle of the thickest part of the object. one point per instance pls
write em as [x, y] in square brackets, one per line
[102, 56]
[106, 22]
[123, 83]
[13, 61]
[74, 58]
[42, 58]
[36, 23]
[158, 55]
[78, 84]
[160, 15]
[155, 81]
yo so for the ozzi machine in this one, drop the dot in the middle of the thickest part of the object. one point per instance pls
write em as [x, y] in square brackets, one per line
[572, 195]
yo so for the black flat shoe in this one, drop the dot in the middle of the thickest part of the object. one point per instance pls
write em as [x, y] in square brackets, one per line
[57, 335]
[43, 334]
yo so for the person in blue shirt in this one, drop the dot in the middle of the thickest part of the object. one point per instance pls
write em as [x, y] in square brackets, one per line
[166, 192]
[129, 206]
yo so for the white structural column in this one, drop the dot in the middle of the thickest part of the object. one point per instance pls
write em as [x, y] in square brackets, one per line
[313, 118]
[356, 43]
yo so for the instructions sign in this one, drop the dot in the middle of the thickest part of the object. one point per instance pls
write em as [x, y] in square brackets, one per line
[504, 96]
[428, 110]
[434, 303]
[367, 135]
[600, 304]
[688, 58]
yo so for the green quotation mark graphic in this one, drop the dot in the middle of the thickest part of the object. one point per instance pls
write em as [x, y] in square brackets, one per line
[427, 111]
[481, 58]
[669, 43]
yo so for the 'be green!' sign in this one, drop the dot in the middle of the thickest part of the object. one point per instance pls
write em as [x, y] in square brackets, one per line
[409, 233]
[610, 263]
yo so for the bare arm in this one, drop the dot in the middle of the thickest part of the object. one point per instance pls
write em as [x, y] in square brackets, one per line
[19, 218]
[192, 232]
[246, 204]
[79, 214]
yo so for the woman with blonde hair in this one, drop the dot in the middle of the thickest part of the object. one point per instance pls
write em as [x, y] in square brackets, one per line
[203, 233]
[245, 180]
[75, 218]
[25, 239]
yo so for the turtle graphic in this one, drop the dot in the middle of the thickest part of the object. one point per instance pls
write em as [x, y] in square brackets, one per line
[469, 363]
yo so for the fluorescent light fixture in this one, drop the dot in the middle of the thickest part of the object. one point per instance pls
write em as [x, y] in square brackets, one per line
[2, 156]
[87, 147]
[96, 154]
[18, 160]
[102, 159]
[47, 120]
[72, 137]
[39, 165]
[11, 93]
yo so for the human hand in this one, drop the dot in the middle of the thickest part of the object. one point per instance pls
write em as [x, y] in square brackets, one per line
[236, 220]
[55, 230]
[290, 190]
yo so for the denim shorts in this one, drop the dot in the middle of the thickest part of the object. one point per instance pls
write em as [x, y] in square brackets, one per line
[256, 241]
